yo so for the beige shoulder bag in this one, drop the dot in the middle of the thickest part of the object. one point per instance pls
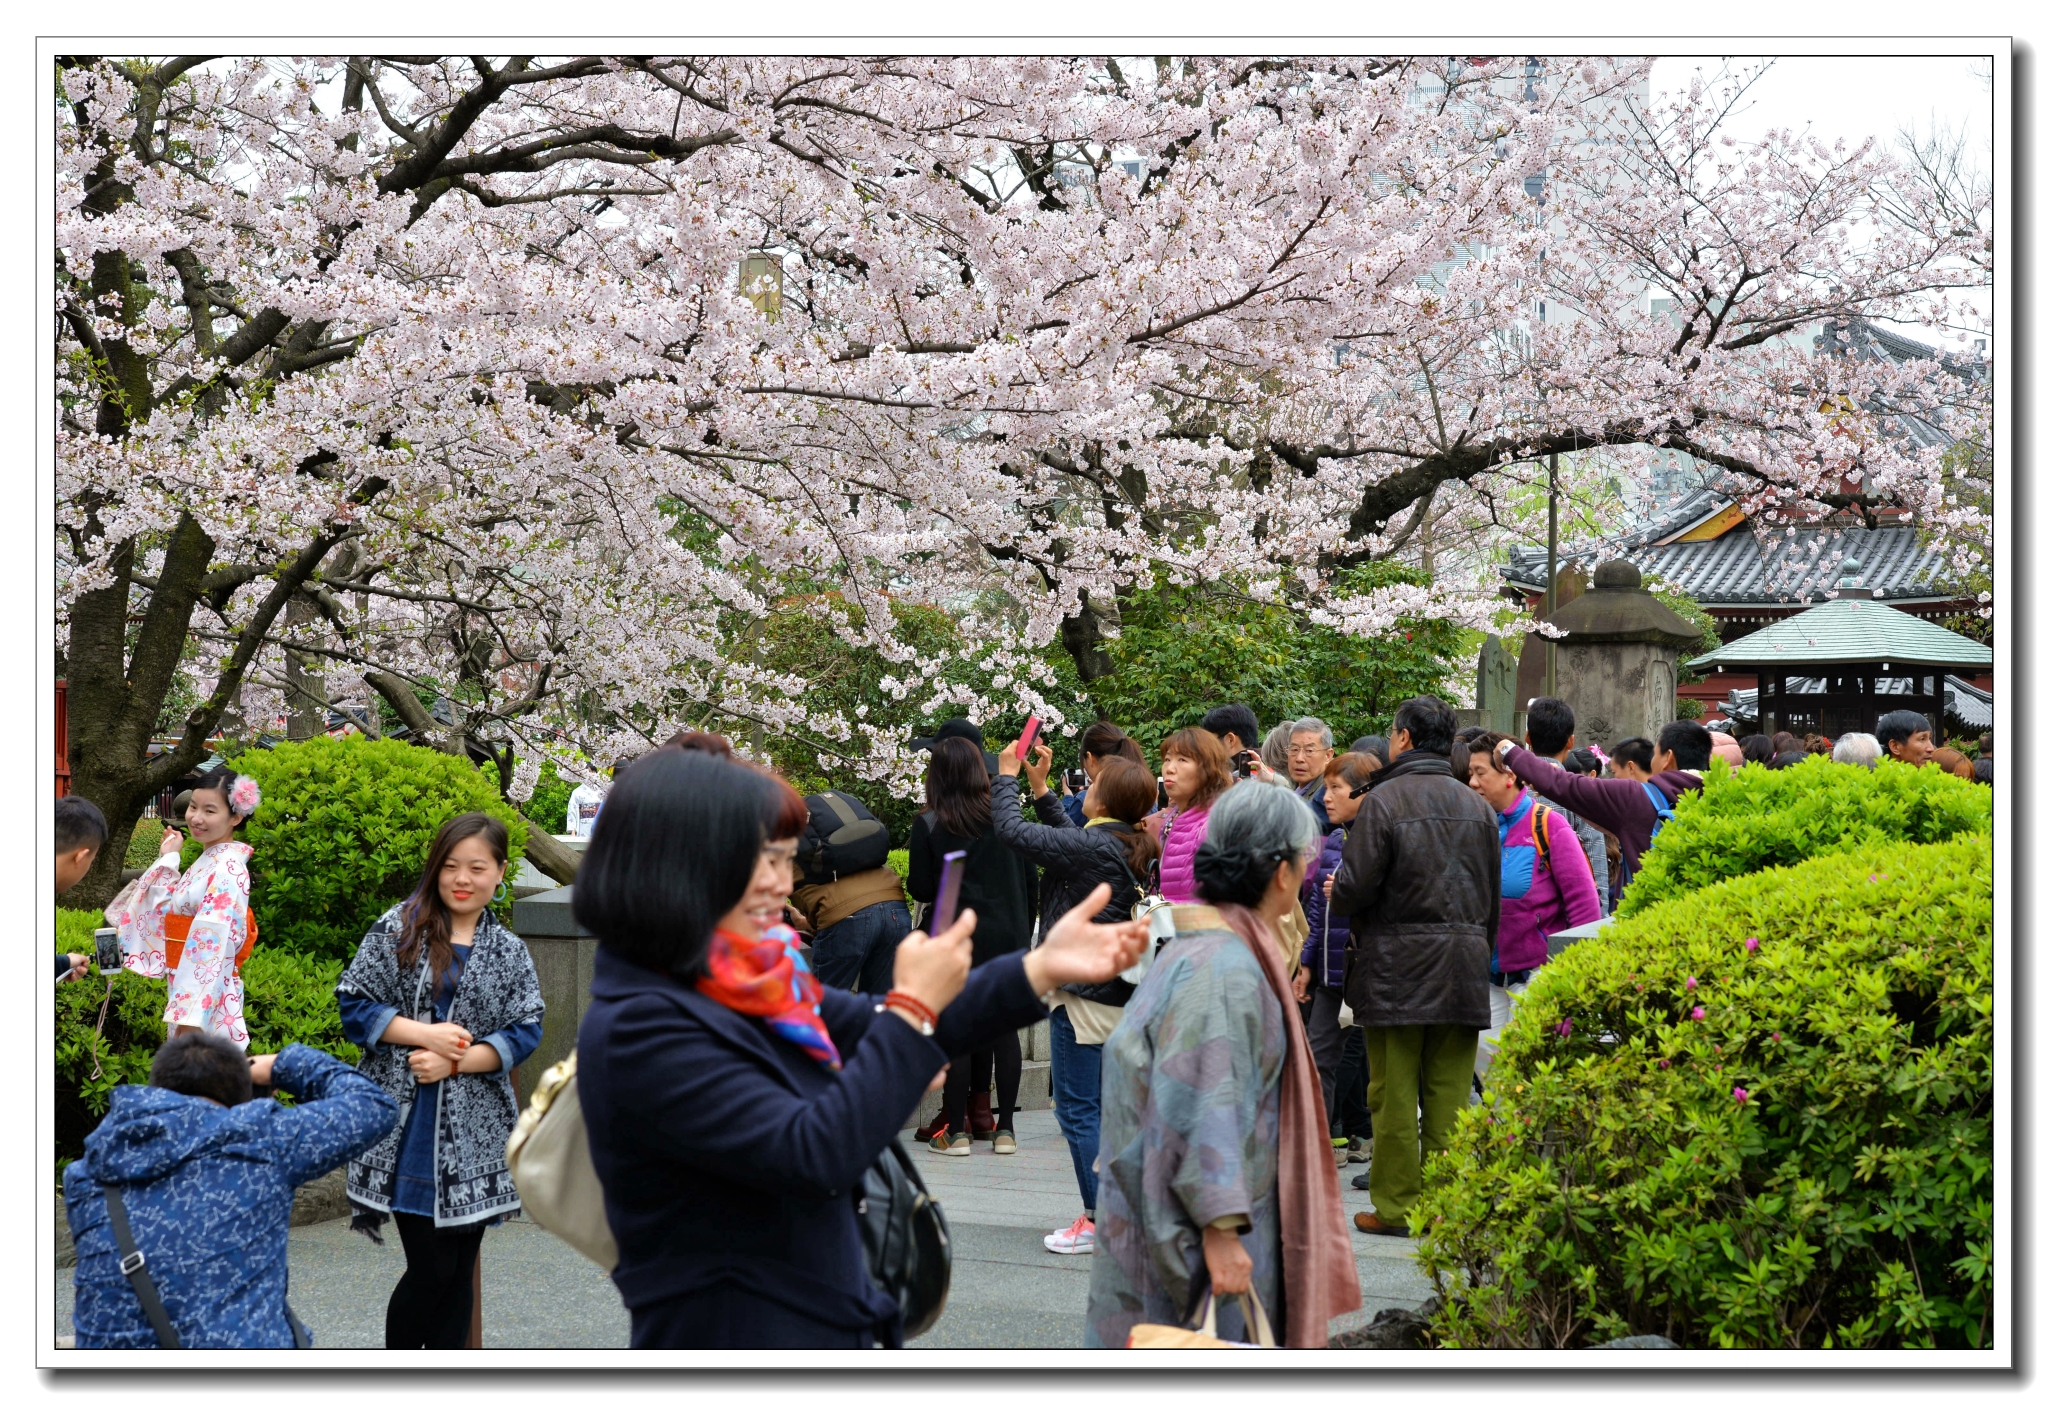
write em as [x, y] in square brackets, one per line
[549, 1155]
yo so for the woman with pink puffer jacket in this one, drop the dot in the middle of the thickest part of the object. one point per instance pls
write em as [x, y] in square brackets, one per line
[1195, 772]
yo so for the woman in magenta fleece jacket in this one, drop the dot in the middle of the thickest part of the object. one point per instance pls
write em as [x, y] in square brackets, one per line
[1195, 772]
[1538, 894]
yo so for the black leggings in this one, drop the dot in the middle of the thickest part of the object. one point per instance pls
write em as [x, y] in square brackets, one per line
[970, 1075]
[431, 1305]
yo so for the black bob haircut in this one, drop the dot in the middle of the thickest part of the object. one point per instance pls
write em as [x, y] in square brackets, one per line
[1690, 744]
[673, 851]
[1899, 727]
[1233, 717]
[1429, 724]
[80, 825]
[203, 1066]
[1551, 724]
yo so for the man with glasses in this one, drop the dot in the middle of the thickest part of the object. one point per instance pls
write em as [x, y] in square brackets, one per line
[1309, 749]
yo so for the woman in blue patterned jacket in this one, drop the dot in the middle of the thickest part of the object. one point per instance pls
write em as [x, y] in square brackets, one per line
[444, 1002]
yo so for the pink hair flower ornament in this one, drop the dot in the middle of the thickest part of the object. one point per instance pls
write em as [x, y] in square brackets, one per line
[243, 796]
[1605, 759]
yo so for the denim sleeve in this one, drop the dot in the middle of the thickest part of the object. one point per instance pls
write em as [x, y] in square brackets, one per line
[363, 1020]
[515, 1043]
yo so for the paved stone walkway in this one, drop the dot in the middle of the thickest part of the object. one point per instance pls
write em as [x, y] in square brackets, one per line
[1007, 1290]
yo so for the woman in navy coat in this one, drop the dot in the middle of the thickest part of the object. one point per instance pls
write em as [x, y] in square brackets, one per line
[733, 1104]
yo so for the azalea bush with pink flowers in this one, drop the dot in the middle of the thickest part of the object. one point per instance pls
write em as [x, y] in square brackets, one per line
[1758, 1115]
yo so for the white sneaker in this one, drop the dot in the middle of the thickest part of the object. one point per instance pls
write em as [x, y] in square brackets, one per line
[1076, 1238]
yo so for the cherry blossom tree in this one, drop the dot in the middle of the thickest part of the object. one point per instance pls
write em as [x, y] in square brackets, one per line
[533, 385]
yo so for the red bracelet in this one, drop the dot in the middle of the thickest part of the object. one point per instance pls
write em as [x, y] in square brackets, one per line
[912, 1006]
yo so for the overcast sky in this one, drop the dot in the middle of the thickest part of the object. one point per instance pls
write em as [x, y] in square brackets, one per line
[1855, 96]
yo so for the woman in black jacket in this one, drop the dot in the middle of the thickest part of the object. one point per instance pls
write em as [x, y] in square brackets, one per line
[996, 885]
[1109, 848]
[733, 1103]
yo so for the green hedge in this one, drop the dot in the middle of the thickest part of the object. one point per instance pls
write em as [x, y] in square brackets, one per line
[344, 829]
[1781, 1147]
[1756, 818]
[288, 998]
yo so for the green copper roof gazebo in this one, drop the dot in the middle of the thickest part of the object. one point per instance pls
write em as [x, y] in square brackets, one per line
[1841, 665]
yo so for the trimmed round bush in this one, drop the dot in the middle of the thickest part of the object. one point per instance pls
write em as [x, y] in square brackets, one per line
[1756, 819]
[343, 831]
[1779, 1145]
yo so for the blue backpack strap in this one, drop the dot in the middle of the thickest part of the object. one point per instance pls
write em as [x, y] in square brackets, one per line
[1660, 804]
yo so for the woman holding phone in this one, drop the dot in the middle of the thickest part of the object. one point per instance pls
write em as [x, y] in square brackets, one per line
[996, 885]
[191, 930]
[1107, 847]
[733, 1103]
[444, 1002]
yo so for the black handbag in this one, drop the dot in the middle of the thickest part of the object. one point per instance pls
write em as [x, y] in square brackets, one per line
[909, 1251]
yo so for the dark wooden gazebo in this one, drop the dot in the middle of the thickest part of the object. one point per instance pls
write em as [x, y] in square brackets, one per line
[1840, 666]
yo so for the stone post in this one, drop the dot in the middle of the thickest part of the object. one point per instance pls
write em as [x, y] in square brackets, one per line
[1618, 663]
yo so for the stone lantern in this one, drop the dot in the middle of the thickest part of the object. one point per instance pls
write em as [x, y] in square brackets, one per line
[1618, 663]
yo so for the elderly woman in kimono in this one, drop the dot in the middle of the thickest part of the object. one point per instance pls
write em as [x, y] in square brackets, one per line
[1215, 1161]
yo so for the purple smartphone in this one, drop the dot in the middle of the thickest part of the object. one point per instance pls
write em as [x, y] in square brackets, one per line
[947, 905]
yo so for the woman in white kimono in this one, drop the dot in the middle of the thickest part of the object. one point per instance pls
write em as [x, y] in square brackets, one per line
[190, 928]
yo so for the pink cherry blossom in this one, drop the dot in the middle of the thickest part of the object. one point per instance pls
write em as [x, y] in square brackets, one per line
[451, 368]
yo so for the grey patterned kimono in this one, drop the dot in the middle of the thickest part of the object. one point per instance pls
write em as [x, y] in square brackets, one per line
[474, 1112]
[1190, 1133]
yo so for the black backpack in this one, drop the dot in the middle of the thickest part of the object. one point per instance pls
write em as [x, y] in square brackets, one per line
[842, 838]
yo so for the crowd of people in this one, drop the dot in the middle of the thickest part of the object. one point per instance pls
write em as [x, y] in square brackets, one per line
[1266, 961]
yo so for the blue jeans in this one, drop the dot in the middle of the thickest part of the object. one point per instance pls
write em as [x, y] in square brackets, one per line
[1077, 1100]
[861, 948]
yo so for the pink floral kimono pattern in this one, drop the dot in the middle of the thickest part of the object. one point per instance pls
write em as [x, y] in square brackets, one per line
[206, 989]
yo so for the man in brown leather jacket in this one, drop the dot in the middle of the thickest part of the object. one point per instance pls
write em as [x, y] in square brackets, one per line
[1421, 885]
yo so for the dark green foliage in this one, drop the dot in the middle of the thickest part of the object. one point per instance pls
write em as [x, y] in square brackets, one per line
[344, 829]
[1757, 818]
[1614, 1183]
[548, 807]
[288, 998]
[1185, 649]
[843, 678]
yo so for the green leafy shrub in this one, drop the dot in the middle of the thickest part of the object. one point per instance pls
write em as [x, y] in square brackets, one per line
[1781, 1147]
[343, 832]
[899, 863]
[288, 998]
[144, 844]
[1756, 819]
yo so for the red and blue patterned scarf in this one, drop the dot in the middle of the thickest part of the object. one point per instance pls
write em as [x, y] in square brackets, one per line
[767, 977]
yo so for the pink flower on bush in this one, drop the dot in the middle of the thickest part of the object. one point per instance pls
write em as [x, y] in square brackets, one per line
[1564, 1028]
[1690, 983]
[1742, 1095]
[1777, 1038]
[1699, 1012]
[1663, 1063]
[1751, 944]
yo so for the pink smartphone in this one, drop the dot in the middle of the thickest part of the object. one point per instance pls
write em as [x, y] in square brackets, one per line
[947, 905]
[1029, 736]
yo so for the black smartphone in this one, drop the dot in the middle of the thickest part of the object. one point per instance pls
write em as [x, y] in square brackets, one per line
[1077, 779]
[947, 905]
[1242, 762]
[107, 950]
